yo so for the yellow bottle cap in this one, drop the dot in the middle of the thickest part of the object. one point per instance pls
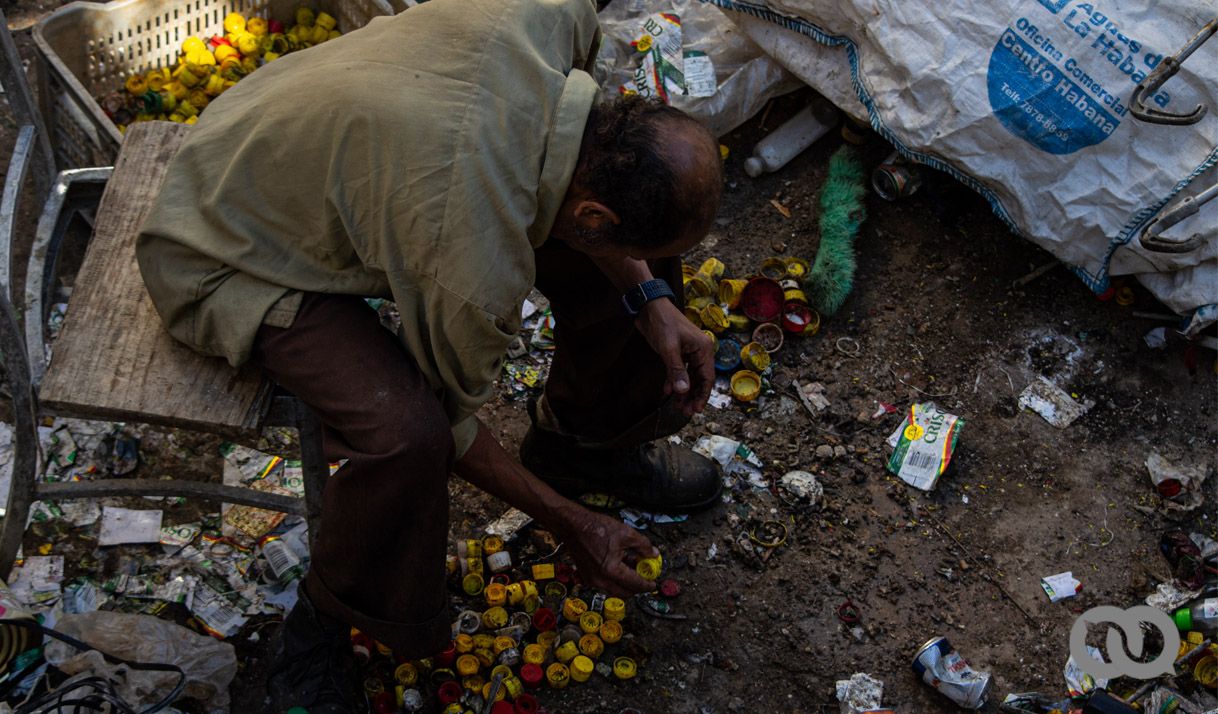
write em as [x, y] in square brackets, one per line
[650, 568]
[730, 292]
[492, 544]
[615, 608]
[797, 268]
[572, 608]
[581, 668]
[590, 622]
[755, 356]
[473, 683]
[558, 675]
[712, 267]
[486, 692]
[496, 594]
[406, 674]
[494, 618]
[234, 22]
[467, 664]
[746, 386]
[504, 643]
[713, 318]
[611, 631]
[383, 649]
[502, 670]
[591, 645]
[513, 686]
[483, 641]
[472, 584]
[463, 643]
[566, 651]
[485, 657]
[547, 639]
[543, 571]
[534, 654]
[624, 668]
[515, 593]
[774, 268]
[695, 317]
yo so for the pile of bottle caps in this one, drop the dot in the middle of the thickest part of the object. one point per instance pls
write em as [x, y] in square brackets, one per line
[746, 318]
[522, 630]
[206, 68]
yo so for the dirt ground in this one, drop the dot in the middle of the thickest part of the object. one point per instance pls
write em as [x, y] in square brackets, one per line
[933, 317]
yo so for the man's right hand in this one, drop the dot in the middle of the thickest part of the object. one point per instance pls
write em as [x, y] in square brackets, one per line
[605, 550]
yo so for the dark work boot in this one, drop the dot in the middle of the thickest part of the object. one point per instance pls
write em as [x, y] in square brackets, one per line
[313, 666]
[657, 476]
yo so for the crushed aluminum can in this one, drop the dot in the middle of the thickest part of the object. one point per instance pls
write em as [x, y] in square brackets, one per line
[942, 667]
[896, 178]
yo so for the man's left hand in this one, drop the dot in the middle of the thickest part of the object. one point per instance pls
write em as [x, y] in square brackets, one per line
[685, 350]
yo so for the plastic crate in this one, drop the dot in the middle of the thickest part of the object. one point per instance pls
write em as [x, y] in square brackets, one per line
[88, 49]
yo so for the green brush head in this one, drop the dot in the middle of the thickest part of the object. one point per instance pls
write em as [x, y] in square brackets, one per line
[841, 213]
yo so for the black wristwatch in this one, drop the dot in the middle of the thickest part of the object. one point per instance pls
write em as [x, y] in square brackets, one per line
[643, 293]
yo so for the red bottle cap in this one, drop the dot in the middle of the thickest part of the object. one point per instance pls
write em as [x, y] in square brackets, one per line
[526, 703]
[1169, 488]
[384, 703]
[217, 40]
[531, 674]
[544, 619]
[502, 706]
[273, 26]
[670, 587]
[449, 692]
[446, 657]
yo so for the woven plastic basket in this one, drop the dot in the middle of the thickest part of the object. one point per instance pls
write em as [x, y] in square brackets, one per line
[88, 49]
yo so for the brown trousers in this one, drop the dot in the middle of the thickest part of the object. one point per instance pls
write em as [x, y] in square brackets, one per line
[378, 559]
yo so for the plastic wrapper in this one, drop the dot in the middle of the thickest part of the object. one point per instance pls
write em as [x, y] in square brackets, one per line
[744, 77]
[209, 664]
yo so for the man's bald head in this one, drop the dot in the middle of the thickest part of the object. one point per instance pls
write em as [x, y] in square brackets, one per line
[655, 167]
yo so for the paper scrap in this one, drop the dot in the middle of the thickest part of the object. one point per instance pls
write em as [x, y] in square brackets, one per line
[1054, 405]
[126, 525]
[1061, 586]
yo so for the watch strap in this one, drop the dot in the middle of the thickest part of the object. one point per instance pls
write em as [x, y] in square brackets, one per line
[643, 293]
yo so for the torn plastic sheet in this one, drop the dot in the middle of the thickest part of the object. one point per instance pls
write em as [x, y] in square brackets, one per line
[724, 77]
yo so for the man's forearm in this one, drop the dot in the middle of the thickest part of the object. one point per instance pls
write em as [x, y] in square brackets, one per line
[624, 273]
[489, 467]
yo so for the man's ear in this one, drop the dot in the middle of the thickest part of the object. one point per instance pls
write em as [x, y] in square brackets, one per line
[592, 215]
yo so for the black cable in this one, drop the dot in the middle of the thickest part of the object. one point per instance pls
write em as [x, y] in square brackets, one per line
[136, 666]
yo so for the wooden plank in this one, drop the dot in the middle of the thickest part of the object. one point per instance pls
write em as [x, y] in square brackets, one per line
[113, 359]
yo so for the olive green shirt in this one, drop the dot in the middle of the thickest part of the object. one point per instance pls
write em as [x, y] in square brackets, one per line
[421, 159]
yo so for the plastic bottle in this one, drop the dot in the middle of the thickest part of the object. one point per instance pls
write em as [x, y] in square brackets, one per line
[1201, 616]
[789, 140]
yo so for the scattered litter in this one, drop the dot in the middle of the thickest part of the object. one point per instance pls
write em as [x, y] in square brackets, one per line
[1079, 682]
[812, 394]
[639, 520]
[125, 525]
[38, 581]
[507, 525]
[923, 445]
[1180, 486]
[1156, 339]
[735, 458]
[1032, 703]
[1061, 586]
[942, 667]
[719, 400]
[861, 693]
[1054, 405]
[802, 486]
[1167, 597]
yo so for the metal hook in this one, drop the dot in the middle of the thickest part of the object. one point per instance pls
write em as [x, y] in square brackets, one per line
[1152, 238]
[1165, 71]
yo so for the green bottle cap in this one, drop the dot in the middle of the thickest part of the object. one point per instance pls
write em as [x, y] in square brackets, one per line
[1184, 619]
[298, 710]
